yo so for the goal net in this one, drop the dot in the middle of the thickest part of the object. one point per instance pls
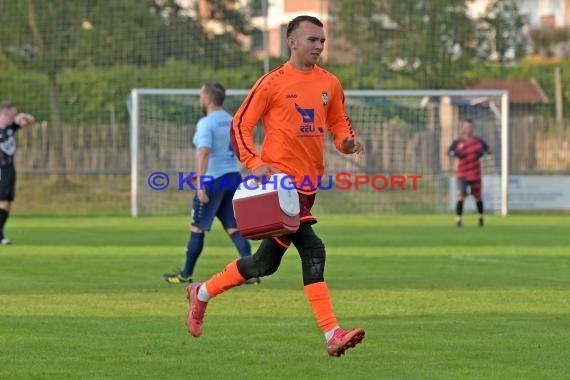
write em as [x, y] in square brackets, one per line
[406, 168]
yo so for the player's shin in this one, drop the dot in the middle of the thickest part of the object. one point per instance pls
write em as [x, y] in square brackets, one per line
[459, 213]
[3, 218]
[319, 298]
[480, 210]
[480, 207]
[225, 280]
[459, 208]
[242, 244]
[193, 251]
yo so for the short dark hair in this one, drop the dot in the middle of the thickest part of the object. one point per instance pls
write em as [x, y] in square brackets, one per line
[294, 24]
[216, 92]
[6, 106]
[468, 120]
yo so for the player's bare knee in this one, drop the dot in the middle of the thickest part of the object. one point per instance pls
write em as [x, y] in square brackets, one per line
[231, 231]
[197, 230]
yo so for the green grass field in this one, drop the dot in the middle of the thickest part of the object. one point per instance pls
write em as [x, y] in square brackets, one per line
[83, 298]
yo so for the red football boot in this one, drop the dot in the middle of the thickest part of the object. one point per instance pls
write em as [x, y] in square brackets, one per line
[197, 310]
[342, 340]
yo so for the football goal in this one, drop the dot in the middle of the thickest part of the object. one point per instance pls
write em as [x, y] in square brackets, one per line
[406, 133]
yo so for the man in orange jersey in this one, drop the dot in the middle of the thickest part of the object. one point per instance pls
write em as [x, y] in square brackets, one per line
[297, 102]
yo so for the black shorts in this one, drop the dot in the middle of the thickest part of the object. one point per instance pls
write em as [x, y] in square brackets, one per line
[7, 183]
[474, 187]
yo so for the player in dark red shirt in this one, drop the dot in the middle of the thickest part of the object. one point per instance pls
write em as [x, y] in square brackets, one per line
[468, 149]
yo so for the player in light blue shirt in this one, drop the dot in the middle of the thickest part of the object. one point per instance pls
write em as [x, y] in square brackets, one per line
[217, 167]
[213, 133]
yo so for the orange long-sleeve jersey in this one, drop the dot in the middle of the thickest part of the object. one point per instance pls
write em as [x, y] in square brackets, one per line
[296, 108]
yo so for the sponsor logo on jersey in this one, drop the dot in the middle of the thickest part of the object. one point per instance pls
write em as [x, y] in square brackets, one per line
[308, 127]
[308, 114]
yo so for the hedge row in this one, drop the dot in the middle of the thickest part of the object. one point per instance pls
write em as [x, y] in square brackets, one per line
[96, 95]
[93, 95]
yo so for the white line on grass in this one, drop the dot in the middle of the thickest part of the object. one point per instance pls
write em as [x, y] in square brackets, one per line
[483, 260]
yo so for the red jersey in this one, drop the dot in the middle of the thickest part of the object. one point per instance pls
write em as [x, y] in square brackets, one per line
[296, 108]
[469, 151]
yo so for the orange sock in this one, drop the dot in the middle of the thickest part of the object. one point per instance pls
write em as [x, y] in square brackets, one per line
[226, 279]
[318, 295]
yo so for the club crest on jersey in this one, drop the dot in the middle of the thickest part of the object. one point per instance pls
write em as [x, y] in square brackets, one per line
[325, 97]
[8, 146]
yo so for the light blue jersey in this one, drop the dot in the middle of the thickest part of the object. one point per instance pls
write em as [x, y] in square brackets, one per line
[213, 131]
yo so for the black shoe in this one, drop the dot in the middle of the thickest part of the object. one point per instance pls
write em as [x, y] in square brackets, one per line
[176, 278]
[481, 223]
[459, 223]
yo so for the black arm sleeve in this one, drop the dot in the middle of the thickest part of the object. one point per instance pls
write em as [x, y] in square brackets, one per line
[451, 151]
[486, 147]
[485, 150]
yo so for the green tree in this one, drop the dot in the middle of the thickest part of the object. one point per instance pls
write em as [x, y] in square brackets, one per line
[545, 40]
[223, 48]
[499, 32]
[423, 38]
[50, 36]
[256, 7]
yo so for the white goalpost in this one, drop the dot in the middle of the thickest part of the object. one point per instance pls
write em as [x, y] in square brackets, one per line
[406, 132]
[186, 98]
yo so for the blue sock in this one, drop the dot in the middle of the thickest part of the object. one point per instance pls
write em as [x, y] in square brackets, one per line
[195, 245]
[242, 244]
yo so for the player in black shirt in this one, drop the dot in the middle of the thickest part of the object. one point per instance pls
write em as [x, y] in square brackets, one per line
[10, 122]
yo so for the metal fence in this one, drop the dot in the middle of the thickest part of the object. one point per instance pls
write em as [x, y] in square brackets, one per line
[97, 175]
[72, 65]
